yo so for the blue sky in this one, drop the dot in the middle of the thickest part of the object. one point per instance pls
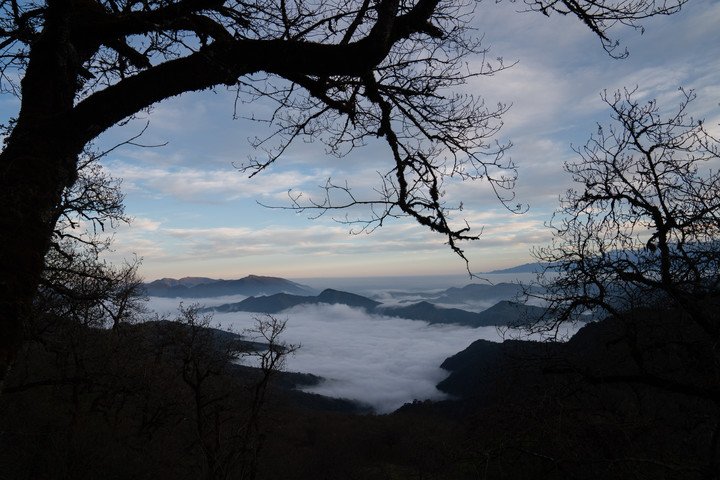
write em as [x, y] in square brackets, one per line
[195, 214]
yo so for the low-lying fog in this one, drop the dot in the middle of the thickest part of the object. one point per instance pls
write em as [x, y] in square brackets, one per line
[377, 360]
[381, 361]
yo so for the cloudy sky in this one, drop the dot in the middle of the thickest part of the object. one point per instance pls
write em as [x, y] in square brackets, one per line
[195, 214]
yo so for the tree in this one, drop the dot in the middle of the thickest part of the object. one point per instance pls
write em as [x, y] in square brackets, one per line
[77, 284]
[79, 291]
[638, 246]
[368, 69]
[229, 438]
[645, 225]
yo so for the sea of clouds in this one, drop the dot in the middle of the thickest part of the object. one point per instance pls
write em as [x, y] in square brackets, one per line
[380, 361]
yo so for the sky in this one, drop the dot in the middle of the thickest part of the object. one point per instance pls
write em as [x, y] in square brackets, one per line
[195, 214]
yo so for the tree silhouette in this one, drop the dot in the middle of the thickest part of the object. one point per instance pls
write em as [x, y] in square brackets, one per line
[365, 69]
[637, 245]
[644, 227]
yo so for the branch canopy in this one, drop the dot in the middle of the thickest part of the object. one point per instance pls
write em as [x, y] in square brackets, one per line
[644, 224]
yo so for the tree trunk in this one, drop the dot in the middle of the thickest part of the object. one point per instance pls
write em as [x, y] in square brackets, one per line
[32, 178]
[38, 162]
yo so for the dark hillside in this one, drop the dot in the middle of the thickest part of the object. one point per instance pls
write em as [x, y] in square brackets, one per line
[143, 401]
[626, 398]
[641, 386]
[432, 314]
[263, 304]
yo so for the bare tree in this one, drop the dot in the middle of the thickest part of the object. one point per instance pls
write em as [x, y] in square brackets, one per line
[645, 225]
[372, 69]
[638, 244]
[80, 291]
[229, 439]
[79, 285]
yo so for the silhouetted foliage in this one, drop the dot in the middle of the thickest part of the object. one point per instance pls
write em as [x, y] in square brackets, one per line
[159, 399]
[78, 285]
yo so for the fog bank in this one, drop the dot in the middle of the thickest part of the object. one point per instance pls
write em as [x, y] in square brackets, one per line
[377, 360]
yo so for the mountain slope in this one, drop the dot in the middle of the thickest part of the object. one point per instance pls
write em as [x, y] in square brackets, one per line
[480, 292]
[504, 313]
[432, 314]
[282, 301]
[350, 299]
[264, 304]
[535, 267]
[199, 287]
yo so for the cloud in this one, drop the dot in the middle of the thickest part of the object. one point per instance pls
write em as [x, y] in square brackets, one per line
[189, 188]
[145, 224]
[381, 361]
[322, 247]
[168, 307]
[319, 238]
[205, 185]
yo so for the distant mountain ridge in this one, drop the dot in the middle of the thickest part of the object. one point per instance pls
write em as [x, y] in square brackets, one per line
[511, 314]
[504, 313]
[535, 267]
[282, 301]
[431, 313]
[199, 287]
[473, 294]
[482, 291]
[184, 282]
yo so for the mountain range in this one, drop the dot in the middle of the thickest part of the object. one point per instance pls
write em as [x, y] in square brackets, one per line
[534, 267]
[503, 313]
[282, 301]
[202, 287]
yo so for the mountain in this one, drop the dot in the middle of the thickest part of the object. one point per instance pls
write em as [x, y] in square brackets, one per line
[475, 370]
[477, 292]
[420, 311]
[200, 287]
[263, 304]
[504, 313]
[610, 348]
[336, 296]
[534, 267]
[471, 297]
[282, 301]
[430, 313]
[186, 282]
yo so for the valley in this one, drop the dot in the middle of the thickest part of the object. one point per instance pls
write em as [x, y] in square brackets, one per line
[380, 348]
